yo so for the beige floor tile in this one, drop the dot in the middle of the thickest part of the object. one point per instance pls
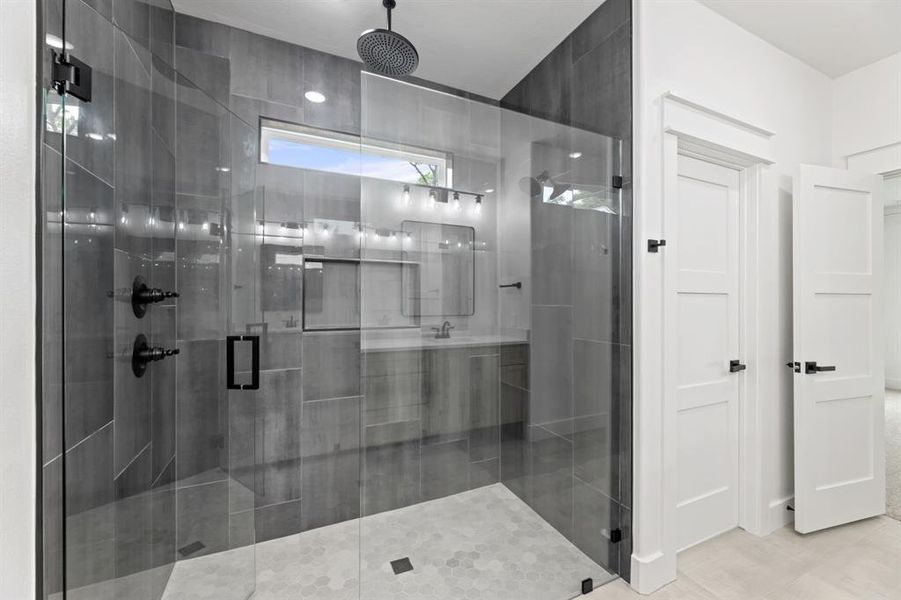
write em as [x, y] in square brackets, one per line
[810, 587]
[744, 567]
[868, 569]
[684, 588]
[826, 541]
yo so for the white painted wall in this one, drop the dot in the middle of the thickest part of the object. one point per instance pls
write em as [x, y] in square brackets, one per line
[866, 113]
[17, 303]
[684, 47]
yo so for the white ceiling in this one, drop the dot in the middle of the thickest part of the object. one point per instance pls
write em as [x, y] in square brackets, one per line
[481, 46]
[833, 36]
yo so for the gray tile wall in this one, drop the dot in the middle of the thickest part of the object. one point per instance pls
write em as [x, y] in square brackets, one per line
[116, 435]
[329, 436]
[566, 436]
[334, 434]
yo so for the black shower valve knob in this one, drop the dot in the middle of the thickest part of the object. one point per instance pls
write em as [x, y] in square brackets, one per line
[154, 295]
[143, 354]
[142, 295]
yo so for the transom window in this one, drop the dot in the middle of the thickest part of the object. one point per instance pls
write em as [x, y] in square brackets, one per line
[303, 147]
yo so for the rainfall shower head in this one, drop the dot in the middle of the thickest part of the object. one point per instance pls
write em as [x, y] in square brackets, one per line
[387, 52]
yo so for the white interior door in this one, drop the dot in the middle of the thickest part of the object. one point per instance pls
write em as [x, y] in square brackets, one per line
[838, 323]
[702, 272]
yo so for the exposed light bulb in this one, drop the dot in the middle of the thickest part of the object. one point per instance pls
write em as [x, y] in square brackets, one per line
[456, 201]
[478, 207]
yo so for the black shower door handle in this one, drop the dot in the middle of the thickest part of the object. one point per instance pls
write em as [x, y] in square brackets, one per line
[230, 362]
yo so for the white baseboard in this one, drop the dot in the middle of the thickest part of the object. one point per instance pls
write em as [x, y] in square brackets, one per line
[651, 573]
[777, 516]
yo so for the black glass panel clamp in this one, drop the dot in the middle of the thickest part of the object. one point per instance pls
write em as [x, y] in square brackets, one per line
[71, 76]
[255, 362]
[142, 354]
[811, 367]
[142, 295]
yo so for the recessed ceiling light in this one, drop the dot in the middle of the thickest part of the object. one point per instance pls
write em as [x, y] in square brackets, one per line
[489, 191]
[575, 154]
[95, 136]
[314, 96]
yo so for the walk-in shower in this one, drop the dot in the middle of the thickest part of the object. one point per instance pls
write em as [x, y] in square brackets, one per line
[372, 346]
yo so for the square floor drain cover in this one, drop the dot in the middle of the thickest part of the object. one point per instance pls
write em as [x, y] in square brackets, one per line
[191, 549]
[401, 565]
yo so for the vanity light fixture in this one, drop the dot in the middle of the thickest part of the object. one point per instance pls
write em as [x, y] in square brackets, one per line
[406, 195]
[456, 201]
[433, 198]
[478, 204]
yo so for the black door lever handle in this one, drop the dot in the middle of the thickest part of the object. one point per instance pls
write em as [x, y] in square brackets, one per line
[735, 366]
[810, 367]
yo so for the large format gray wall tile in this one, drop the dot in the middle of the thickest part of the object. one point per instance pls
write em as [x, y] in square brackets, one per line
[132, 394]
[265, 68]
[593, 66]
[339, 80]
[331, 447]
[278, 437]
[331, 365]
[88, 264]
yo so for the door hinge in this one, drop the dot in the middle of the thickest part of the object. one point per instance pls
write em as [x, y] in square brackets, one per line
[71, 76]
[617, 182]
[654, 245]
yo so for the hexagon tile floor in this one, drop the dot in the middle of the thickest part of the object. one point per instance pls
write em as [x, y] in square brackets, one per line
[485, 544]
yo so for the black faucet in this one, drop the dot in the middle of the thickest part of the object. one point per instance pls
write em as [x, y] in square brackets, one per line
[443, 332]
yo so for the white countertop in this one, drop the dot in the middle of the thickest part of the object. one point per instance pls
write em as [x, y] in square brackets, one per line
[373, 341]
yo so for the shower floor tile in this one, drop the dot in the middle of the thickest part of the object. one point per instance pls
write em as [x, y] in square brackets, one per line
[485, 544]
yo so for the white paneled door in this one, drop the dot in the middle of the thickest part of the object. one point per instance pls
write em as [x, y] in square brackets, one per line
[703, 327]
[838, 325]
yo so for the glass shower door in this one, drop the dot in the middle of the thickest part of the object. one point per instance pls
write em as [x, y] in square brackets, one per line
[148, 459]
[490, 348]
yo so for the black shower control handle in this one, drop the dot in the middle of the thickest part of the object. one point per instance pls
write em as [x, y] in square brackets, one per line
[143, 353]
[151, 296]
[142, 295]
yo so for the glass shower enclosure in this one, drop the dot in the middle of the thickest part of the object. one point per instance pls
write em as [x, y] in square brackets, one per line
[283, 360]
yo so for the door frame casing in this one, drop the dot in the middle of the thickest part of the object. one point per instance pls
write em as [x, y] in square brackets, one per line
[694, 128]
